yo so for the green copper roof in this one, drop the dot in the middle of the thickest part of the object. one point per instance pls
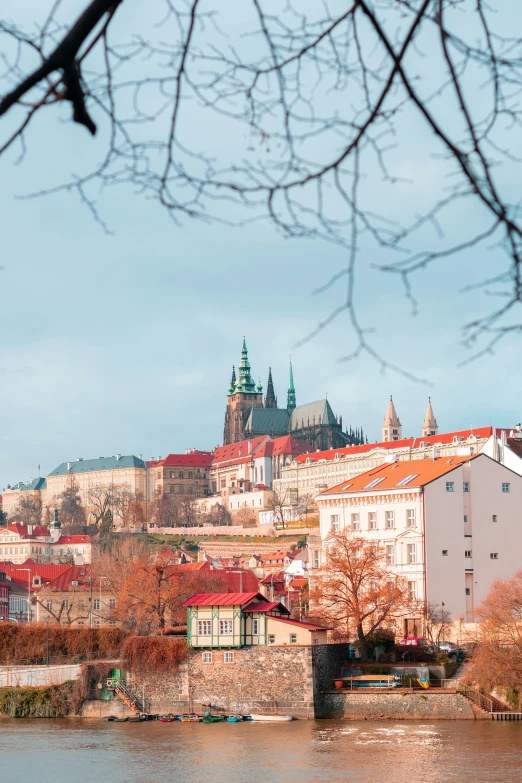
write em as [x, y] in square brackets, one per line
[102, 463]
[232, 386]
[245, 383]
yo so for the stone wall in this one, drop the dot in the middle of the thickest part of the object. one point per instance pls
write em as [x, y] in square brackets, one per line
[396, 705]
[261, 679]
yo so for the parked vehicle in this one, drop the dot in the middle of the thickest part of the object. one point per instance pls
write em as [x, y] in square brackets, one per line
[448, 647]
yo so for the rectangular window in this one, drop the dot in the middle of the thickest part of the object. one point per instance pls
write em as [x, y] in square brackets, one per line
[49, 605]
[316, 560]
[412, 590]
[390, 554]
[505, 487]
[465, 518]
[410, 517]
[450, 486]
[112, 603]
[172, 489]
[334, 523]
[181, 474]
[444, 552]
[494, 517]
[468, 591]
[172, 474]
[225, 627]
[356, 525]
[372, 520]
[271, 638]
[97, 606]
[228, 657]
[206, 657]
[374, 483]
[390, 519]
[293, 638]
[255, 626]
[465, 486]
[494, 555]
[204, 628]
[467, 553]
[412, 553]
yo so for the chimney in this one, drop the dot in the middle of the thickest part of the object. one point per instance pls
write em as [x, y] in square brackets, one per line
[249, 446]
[118, 456]
[140, 456]
[29, 530]
[434, 452]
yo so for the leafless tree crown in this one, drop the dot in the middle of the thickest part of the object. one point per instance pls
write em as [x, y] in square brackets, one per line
[298, 111]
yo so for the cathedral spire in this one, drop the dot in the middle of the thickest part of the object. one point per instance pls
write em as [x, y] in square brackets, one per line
[291, 403]
[391, 426]
[430, 426]
[245, 384]
[232, 387]
[270, 399]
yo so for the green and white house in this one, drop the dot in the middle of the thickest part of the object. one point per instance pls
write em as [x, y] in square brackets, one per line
[244, 620]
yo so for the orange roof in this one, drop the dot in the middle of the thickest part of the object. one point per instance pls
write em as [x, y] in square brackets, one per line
[444, 438]
[287, 444]
[301, 624]
[405, 474]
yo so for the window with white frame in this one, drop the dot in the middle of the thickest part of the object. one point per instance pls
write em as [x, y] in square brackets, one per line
[467, 553]
[204, 628]
[206, 657]
[271, 638]
[390, 519]
[465, 486]
[450, 486]
[334, 523]
[411, 553]
[494, 555]
[293, 638]
[495, 518]
[228, 657]
[390, 554]
[255, 626]
[317, 560]
[505, 487]
[410, 517]
[356, 524]
[412, 591]
[444, 552]
[225, 627]
[372, 520]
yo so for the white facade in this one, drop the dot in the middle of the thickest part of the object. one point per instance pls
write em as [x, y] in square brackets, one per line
[450, 538]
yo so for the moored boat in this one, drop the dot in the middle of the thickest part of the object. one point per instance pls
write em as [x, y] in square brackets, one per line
[167, 718]
[272, 717]
[235, 719]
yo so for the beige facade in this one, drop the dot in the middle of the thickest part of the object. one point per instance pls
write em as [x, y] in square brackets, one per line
[34, 490]
[20, 542]
[315, 472]
[182, 475]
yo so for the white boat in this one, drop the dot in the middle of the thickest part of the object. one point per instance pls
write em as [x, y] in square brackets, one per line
[272, 717]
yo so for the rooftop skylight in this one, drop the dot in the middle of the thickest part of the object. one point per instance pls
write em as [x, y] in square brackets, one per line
[374, 483]
[407, 479]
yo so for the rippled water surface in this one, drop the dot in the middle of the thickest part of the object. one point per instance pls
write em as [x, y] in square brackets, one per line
[49, 751]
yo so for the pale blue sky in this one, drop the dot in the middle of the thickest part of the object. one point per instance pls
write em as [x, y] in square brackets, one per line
[125, 343]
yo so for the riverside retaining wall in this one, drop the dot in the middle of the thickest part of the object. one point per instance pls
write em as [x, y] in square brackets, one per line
[396, 705]
[37, 676]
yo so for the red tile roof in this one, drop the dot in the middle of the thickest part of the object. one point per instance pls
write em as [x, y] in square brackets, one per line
[301, 624]
[80, 574]
[74, 540]
[287, 444]
[237, 452]
[266, 606]
[46, 571]
[222, 599]
[414, 443]
[201, 459]
[272, 579]
[422, 471]
[22, 530]
[245, 581]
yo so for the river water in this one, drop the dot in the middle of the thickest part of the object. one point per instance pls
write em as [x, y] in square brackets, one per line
[54, 751]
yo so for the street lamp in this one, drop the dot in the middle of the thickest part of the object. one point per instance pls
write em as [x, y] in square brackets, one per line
[28, 592]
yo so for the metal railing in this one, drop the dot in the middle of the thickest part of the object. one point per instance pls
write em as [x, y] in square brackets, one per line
[484, 702]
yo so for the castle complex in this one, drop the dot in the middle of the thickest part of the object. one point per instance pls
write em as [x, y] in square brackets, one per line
[248, 415]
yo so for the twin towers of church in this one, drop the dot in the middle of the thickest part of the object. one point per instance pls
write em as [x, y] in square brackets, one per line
[392, 427]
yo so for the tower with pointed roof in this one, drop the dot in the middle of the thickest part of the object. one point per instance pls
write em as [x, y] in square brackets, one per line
[290, 397]
[243, 395]
[391, 426]
[270, 399]
[430, 426]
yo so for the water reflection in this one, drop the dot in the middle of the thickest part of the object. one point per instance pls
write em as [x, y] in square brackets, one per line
[305, 751]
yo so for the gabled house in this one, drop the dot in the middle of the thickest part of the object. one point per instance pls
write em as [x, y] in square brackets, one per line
[218, 620]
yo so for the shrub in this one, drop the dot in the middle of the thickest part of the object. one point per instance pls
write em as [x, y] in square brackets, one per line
[33, 642]
[153, 653]
[52, 702]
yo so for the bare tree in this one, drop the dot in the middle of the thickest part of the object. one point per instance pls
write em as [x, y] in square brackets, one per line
[322, 104]
[72, 513]
[29, 510]
[277, 502]
[438, 622]
[100, 499]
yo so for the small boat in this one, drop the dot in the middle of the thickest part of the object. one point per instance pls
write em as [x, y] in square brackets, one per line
[272, 717]
[138, 718]
[121, 720]
[212, 719]
[235, 719]
[190, 718]
[109, 718]
[167, 718]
